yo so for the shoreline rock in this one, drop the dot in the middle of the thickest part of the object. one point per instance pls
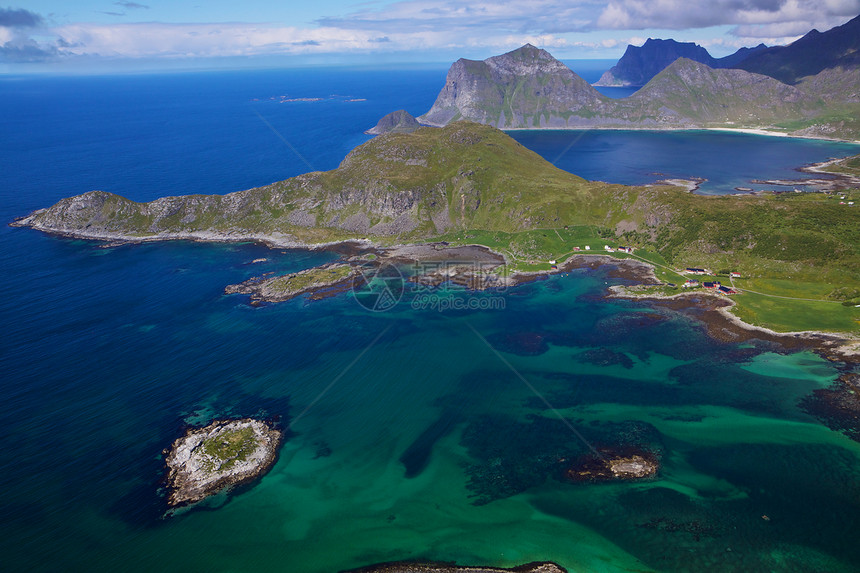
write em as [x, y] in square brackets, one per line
[221, 455]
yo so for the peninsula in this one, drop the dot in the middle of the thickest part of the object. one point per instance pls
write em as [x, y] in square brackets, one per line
[469, 183]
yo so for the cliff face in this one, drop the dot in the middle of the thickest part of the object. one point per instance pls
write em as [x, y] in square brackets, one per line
[523, 88]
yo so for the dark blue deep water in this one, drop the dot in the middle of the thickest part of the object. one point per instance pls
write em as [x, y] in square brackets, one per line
[413, 435]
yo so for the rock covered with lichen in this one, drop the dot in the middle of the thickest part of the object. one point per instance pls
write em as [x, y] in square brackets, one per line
[223, 454]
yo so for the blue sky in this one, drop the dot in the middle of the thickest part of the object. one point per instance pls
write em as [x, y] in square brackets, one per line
[81, 34]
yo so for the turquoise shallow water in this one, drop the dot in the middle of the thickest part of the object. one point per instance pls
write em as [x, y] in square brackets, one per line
[107, 353]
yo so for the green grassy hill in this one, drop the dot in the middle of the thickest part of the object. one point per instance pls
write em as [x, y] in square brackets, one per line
[469, 182]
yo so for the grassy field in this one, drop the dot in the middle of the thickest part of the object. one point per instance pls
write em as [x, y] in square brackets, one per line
[780, 303]
[785, 315]
[296, 282]
[229, 447]
[532, 250]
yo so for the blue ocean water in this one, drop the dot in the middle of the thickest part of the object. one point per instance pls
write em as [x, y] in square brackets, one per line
[108, 352]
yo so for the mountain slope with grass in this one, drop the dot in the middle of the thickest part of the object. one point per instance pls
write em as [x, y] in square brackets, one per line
[692, 92]
[414, 185]
[469, 178]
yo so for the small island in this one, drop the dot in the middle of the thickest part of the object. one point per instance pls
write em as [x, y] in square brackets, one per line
[280, 288]
[223, 454]
[612, 465]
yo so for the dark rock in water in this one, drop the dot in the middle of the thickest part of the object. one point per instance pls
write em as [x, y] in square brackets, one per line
[417, 455]
[838, 406]
[510, 456]
[323, 450]
[520, 343]
[605, 357]
[429, 567]
[400, 121]
[223, 454]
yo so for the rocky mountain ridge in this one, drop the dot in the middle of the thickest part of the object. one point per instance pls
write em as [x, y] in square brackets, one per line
[640, 64]
[528, 88]
[812, 54]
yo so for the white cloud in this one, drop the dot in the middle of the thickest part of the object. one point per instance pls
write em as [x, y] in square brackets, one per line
[527, 16]
[142, 40]
[747, 15]
[437, 26]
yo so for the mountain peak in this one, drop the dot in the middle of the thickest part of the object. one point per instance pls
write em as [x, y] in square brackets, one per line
[526, 52]
[640, 64]
[526, 87]
[400, 121]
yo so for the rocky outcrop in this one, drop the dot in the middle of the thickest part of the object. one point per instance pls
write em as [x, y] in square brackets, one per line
[226, 452]
[523, 88]
[400, 121]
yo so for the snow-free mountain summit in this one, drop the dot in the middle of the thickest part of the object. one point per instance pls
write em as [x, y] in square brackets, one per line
[528, 88]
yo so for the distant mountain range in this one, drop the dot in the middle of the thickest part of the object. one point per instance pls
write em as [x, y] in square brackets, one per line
[815, 52]
[528, 88]
[639, 64]
[808, 56]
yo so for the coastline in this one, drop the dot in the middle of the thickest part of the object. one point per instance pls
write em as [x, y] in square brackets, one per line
[771, 133]
[714, 311]
[744, 130]
[431, 252]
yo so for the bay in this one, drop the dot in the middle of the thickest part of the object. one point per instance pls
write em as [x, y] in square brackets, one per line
[108, 352]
